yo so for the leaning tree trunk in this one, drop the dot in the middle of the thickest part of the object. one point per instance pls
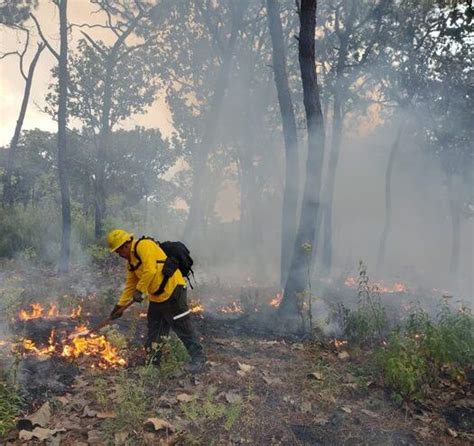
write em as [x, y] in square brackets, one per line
[388, 200]
[297, 282]
[7, 186]
[290, 193]
[196, 218]
[62, 141]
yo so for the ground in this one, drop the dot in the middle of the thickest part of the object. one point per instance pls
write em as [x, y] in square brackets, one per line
[260, 387]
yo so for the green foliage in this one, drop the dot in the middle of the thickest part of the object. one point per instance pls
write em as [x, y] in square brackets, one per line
[368, 322]
[29, 230]
[10, 404]
[116, 338]
[210, 410]
[418, 353]
[174, 355]
[403, 368]
[132, 404]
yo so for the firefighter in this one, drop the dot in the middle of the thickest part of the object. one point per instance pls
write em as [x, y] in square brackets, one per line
[168, 306]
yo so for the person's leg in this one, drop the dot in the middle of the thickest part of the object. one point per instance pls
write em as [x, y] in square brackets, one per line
[184, 329]
[158, 328]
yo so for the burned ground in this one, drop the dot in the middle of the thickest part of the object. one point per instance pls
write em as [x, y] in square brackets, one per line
[261, 385]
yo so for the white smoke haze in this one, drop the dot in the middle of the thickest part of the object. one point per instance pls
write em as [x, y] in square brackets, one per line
[244, 180]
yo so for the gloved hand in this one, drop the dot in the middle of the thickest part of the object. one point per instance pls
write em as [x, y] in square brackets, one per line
[116, 313]
[137, 296]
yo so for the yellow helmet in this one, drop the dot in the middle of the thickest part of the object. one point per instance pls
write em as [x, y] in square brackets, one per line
[117, 238]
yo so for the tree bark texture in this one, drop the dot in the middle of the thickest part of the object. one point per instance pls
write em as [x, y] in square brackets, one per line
[62, 141]
[297, 282]
[196, 218]
[290, 192]
[7, 186]
[388, 199]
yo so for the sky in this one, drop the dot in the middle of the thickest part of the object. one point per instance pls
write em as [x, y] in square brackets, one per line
[12, 84]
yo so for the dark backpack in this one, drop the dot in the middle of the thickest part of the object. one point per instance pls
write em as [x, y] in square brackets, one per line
[177, 257]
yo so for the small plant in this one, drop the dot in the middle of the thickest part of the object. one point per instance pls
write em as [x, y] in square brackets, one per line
[10, 404]
[403, 368]
[173, 355]
[367, 324]
[132, 404]
[209, 411]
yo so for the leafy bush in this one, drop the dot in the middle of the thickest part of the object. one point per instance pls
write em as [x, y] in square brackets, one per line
[402, 367]
[418, 353]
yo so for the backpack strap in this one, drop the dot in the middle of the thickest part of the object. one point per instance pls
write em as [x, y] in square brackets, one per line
[134, 267]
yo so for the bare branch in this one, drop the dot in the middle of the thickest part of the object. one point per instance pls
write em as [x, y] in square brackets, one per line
[22, 55]
[94, 44]
[50, 48]
[86, 25]
[10, 53]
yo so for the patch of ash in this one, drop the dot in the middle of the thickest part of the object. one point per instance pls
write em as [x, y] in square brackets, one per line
[39, 377]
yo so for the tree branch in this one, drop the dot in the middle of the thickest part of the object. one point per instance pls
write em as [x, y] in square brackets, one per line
[50, 48]
[94, 44]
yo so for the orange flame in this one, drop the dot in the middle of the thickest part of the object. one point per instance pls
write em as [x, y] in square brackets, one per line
[276, 301]
[196, 307]
[233, 308]
[398, 287]
[93, 346]
[37, 311]
[338, 343]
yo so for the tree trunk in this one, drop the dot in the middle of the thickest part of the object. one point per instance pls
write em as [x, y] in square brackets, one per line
[290, 193]
[7, 186]
[297, 282]
[196, 216]
[388, 199]
[102, 150]
[337, 126]
[62, 141]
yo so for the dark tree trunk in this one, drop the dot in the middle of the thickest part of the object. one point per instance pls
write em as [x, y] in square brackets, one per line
[62, 141]
[7, 186]
[297, 279]
[388, 200]
[290, 193]
[196, 218]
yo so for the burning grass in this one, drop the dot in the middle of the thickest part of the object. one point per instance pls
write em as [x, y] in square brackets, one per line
[93, 350]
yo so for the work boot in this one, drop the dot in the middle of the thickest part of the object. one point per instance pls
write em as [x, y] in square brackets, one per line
[196, 365]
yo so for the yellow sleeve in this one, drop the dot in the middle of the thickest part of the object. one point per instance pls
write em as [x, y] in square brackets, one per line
[147, 252]
[131, 281]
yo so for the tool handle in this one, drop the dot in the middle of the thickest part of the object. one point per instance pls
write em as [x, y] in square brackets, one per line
[109, 319]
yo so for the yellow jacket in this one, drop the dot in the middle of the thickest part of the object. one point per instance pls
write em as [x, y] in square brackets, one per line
[147, 276]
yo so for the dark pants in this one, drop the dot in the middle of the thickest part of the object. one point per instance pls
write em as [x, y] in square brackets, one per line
[173, 313]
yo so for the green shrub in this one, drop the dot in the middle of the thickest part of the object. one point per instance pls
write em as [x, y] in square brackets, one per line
[10, 403]
[423, 349]
[403, 368]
